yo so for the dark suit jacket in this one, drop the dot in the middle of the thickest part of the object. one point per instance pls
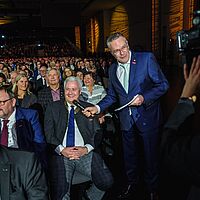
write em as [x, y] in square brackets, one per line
[45, 96]
[28, 101]
[39, 85]
[21, 176]
[180, 156]
[146, 79]
[55, 124]
[29, 133]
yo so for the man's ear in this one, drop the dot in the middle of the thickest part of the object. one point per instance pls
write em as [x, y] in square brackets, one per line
[13, 102]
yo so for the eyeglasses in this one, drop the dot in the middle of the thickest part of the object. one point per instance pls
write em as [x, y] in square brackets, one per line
[122, 49]
[2, 103]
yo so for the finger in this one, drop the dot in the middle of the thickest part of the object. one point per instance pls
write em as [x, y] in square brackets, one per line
[193, 66]
[185, 71]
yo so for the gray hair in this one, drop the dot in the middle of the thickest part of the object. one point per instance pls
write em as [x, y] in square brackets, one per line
[51, 69]
[115, 36]
[73, 78]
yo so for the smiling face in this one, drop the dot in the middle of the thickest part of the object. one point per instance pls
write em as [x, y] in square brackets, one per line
[120, 50]
[72, 91]
[88, 80]
[53, 77]
[22, 84]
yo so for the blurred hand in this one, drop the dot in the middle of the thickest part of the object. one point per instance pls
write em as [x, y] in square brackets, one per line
[90, 111]
[138, 101]
[102, 119]
[192, 78]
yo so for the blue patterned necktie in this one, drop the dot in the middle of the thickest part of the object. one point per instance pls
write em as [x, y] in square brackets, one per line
[71, 129]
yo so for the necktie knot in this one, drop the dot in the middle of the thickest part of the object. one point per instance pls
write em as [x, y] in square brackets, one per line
[5, 122]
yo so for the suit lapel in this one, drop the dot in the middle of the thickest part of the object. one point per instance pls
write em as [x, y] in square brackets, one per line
[133, 66]
[5, 168]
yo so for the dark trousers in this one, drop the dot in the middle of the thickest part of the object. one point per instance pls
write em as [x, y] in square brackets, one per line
[133, 142]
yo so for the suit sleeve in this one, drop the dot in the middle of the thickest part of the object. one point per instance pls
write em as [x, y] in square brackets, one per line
[49, 126]
[179, 147]
[159, 84]
[35, 180]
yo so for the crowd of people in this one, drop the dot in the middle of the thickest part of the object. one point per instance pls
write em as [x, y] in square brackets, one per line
[39, 113]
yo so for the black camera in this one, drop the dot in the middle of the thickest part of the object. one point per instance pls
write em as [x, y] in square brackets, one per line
[188, 41]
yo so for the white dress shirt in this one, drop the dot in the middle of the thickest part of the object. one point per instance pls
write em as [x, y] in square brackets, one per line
[78, 138]
[12, 134]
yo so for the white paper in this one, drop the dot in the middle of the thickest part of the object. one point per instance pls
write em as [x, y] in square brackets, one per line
[133, 99]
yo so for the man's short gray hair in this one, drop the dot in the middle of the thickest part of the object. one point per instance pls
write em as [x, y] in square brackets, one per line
[114, 36]
[73, 78]
[51, 69]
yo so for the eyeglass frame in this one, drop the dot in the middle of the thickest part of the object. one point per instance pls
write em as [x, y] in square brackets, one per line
[116, 52]
[2, 103]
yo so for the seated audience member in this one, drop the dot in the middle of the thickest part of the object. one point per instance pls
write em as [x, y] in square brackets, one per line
[41, 82]
[67, 72]
[79, 74]
[20, 126]
[92, 92]
[2, 79]
[74, 141]
[25, 98]
[180, 145]
[6, 72]
[21, 176]
[54, 92]
[13, 76]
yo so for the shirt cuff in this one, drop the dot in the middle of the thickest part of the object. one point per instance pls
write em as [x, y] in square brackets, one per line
[89, 147]
[98, 109]
[58, 149]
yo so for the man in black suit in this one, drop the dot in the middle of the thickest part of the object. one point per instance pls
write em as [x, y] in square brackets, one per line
[82, 154]
[180, 147]
[41, 82]
[21, 176]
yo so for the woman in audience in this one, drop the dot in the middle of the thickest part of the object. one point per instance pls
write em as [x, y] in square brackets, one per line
[25, 98]
[67, 73]
[92, 92]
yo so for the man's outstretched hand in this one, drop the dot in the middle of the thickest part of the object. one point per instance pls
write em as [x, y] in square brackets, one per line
[90, 111]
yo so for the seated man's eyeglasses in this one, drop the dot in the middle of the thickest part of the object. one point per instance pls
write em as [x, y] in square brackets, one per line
[2, 103]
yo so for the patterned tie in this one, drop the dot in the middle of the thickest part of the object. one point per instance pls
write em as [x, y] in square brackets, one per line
[123, 76]
[71, 129]
[4, 133]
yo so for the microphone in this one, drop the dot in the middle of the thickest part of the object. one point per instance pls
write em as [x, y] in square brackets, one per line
[76, 103]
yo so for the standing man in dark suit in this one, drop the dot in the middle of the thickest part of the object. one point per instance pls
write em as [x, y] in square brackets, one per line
[180, 144]
[135, 75]
[81, 154]
[21, 176]
[22, 126]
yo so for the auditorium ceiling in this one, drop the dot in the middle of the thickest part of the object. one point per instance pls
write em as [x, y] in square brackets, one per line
[30, 10]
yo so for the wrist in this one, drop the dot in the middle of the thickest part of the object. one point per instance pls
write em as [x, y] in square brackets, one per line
[191, 98]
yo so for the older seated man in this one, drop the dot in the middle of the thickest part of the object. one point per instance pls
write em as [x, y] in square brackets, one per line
[75, 139]
[20, 127]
